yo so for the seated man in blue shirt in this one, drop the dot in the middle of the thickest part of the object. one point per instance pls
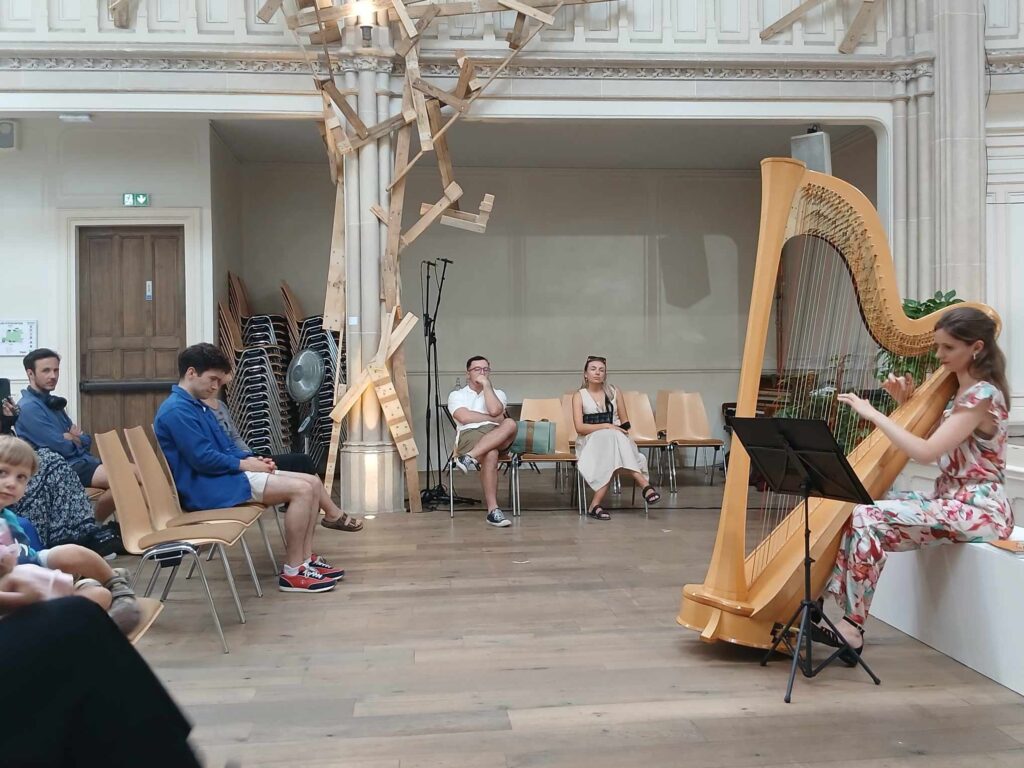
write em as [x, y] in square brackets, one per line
[211, 472]
[44, 423]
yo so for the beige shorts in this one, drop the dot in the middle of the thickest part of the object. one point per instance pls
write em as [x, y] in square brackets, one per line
[257, 483]
[468, 438]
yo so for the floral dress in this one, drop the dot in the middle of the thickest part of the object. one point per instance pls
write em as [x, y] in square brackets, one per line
[968, 504]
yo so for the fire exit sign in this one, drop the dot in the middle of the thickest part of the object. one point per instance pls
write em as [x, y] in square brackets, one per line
[136, 199]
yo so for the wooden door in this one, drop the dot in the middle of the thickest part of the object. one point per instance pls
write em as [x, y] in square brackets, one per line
[131, 320]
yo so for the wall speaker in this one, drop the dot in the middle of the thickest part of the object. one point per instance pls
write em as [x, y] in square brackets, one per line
[8, 136]
[814, 150]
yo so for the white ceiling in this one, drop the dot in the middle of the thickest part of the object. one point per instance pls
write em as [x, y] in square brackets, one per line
[554, 143]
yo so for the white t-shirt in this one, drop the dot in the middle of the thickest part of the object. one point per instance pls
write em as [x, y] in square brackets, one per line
[474, 401]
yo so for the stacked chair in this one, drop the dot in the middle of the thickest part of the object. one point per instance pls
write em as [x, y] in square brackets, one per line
[312, 335]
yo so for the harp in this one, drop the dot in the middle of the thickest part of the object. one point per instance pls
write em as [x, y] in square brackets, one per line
[822, 247]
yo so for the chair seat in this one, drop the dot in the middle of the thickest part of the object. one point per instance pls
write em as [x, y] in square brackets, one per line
[203, 533]
[246, 515]
[652, 443]
[542, 457]
[150, 608]
[699, 442]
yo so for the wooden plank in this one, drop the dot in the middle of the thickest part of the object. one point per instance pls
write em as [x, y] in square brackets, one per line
[335, 444]
[789, 19]
[471, 222]
[380, 213]
[433, 91]
[331, 89]
[444, 157]
[389, 261]
[451, 193]
[859, 25]
[400, 376]
[334, 305]
[528, 10]
[467, 82]
[514, 37]
[408, 25]
[490, 79]
[394, 415]
[307, 18]
[355, 389]
[268, 9]
[412, 74]
[403, 46]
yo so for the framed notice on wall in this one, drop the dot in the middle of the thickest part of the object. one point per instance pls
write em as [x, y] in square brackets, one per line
[17, 337]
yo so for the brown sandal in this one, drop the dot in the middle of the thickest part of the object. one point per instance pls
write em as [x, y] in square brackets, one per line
[343, 523]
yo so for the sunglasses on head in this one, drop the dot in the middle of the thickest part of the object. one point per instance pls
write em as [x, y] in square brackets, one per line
[595, 358]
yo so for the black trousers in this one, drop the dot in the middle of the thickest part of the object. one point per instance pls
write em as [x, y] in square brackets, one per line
[295, 462]
[80, 695]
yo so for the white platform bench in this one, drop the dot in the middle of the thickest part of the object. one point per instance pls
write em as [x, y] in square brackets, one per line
[963, 600]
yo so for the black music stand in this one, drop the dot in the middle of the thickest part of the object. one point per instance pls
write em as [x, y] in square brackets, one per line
[801, 457]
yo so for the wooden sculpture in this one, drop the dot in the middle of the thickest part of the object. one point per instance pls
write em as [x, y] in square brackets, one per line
[861, 21]
[838, 271]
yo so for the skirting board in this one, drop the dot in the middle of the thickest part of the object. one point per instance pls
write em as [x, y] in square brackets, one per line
[963, 600]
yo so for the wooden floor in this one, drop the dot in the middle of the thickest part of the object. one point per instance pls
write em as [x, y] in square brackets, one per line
[550, 643]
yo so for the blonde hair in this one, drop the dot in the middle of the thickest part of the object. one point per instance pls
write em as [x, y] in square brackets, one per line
[17, 453]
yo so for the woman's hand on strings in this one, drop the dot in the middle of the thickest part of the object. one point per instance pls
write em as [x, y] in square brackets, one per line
[863, 408]
[900, 389]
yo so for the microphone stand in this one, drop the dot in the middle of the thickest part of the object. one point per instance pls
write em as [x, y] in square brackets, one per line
[433, 496]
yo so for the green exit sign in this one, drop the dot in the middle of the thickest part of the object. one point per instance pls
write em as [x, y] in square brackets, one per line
[136, 199]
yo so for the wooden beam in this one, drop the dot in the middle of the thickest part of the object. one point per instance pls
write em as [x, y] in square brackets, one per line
[348, 11]
[471, 222]
[789, 19]
[355, 389]
[408, 25]
[380, 213]
[389, 261]
[339, 100]
[528, 10]
[514, 38]
[859, 25]
[335, 444]
[334, 305]
[268, 9]
[433, 91]
[403, 46]
[444, 157]
[467, 83]
[451, 193]
[394, 414]
[412, 74]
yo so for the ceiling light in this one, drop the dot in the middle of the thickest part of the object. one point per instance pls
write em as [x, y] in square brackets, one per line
[75, 117]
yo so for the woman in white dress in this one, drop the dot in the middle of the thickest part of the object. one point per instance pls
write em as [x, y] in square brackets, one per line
[604, 445]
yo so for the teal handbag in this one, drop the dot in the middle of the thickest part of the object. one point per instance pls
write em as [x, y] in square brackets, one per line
[534, 437]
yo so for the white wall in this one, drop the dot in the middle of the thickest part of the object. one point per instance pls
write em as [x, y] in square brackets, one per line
[88, 167]
[225, 213]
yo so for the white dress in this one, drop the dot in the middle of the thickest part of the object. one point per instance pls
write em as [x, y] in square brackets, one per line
[603, 452]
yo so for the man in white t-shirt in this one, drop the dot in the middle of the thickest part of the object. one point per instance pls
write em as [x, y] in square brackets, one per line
[484, 431]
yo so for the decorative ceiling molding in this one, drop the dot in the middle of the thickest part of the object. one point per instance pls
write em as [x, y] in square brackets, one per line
[869, 70]
[1006, 62]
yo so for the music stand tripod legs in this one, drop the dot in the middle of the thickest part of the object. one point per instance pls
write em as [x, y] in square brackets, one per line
[805, 615]
[801, 457]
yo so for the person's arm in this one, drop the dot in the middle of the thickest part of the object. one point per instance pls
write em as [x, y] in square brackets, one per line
[583, 428]
[951, 433]
[38, 429]
[28, 584]
[196, 448]
[461, 413]
[492, 402]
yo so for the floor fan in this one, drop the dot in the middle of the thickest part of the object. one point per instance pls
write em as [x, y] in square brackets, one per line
[305, 375]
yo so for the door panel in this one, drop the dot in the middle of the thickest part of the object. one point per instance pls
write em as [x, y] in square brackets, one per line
[131, 308]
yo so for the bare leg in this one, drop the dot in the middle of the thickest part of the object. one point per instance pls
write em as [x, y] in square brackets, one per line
[103, 507]
[324, 502]
[495, 440]
[640, 479]
[599, 494]
[79, 561]
[284, 488]
[489, 477]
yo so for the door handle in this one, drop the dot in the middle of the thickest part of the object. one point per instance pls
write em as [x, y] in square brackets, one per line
[141, 385]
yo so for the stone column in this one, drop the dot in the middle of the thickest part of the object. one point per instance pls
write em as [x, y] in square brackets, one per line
[959, 42]
[920, 286]
[899, 183]
[371, 476]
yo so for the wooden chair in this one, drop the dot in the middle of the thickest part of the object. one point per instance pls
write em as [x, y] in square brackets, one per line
[166, 548]
[644, 429]
[162, 497]
[688, 427]
[150, 609]
[553, 410]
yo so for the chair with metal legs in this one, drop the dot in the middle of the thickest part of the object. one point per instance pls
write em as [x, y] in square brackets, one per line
[169, 547]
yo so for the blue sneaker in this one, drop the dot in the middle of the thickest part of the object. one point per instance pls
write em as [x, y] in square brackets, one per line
[497, 518]
[465, 462]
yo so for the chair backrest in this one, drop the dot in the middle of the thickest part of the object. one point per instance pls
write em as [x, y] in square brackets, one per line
[641, 416]
[548, 409]
[163, 505]
[661, 409]
[687, 417]
[151, 434]
[567, 418]
[132, 512]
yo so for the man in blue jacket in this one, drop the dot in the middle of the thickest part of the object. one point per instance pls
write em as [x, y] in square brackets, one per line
[211, 472]
[44, 423]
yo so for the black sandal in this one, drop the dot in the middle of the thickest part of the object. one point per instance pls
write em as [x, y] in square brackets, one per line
[598, 513]
[826, 636]
[653, 497]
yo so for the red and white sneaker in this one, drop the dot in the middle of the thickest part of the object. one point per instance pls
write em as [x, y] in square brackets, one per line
[308, 579]
[325, 568]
